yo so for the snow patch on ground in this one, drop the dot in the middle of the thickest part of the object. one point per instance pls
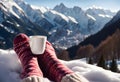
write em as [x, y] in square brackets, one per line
[10, 69]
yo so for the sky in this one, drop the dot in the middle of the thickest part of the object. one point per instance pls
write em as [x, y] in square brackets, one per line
[106, 4]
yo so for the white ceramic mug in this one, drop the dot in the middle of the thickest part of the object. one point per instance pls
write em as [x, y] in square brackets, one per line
[37, 44]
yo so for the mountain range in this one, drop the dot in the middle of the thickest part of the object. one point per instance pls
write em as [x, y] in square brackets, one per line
[106, 40]
[65, 27]
[14, 21]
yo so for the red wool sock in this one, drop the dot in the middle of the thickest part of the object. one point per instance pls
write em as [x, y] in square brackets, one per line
[28, 60]
[51, 66]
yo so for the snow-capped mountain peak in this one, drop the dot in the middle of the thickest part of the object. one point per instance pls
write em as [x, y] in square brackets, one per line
[13, 20]
[96, 7]
[117, 16]
[61, 6]
[99, 10]
[42, 9]
[12, 7]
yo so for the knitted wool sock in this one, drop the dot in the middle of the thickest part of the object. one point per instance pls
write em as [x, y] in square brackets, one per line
[28, 60]
[51, 67]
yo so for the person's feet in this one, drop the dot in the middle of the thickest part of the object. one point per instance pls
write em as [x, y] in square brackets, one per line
[51, 66]
[28, 60]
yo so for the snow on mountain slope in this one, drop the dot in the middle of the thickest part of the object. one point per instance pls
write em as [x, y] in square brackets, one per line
[51, 20]
[12, 7]
[32, 14]
[13, 21]
[99, 10]
[116, 17]
[93, 18]
[10, 69]
[44, 17]
[89, 21]
[75, 12]
[101, 15]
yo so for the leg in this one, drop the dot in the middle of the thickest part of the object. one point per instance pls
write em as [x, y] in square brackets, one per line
[31, 71]
[54, 69]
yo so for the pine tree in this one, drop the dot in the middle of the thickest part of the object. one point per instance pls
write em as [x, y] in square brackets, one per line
[90, 61]
[102, 63]
[113, 65]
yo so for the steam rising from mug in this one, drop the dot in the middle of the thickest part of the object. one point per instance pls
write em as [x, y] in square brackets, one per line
[37, 44]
